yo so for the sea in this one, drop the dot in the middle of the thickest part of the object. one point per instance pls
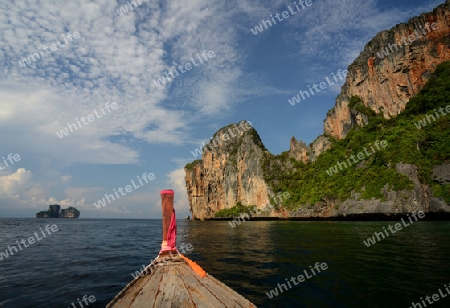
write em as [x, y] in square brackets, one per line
[96, 258]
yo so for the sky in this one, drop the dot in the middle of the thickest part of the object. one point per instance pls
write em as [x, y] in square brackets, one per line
[110, 78]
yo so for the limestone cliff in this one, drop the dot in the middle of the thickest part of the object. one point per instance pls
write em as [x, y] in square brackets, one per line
[300, 151]
[393, 66]
[229, 171]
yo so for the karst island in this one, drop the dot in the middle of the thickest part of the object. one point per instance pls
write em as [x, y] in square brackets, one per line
[55, 211]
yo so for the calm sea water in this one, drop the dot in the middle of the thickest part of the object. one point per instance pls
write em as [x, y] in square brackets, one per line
[97, 257]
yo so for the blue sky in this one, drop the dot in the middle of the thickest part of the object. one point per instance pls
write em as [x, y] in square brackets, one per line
[116, 58]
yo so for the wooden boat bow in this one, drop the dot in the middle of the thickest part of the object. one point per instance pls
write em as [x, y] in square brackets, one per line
[173, 280]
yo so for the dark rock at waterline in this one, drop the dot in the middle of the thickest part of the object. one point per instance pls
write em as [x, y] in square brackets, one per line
[54, 211]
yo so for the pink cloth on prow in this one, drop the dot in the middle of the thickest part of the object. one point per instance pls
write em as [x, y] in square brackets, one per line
[172, 232]
[171, 243]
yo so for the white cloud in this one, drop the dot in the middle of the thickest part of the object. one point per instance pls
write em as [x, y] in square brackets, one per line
[177, 183]
[12, 185]
[21, 189]
[115, 59]
[66, 178]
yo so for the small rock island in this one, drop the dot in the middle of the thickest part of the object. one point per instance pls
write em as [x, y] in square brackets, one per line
[55, 211]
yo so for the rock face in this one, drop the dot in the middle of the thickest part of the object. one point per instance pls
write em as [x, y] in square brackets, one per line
[393, 67]
[70, 212]
[54, 211]
[299, 150]
[229, 171]
[388, 72]
[441, 174]
[397, 202]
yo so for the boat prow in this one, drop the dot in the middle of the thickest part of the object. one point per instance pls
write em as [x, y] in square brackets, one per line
[172, 280]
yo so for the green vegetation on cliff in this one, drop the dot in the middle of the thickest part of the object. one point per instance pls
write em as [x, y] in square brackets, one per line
[235, 211]
[191, 165]
[413, 137]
